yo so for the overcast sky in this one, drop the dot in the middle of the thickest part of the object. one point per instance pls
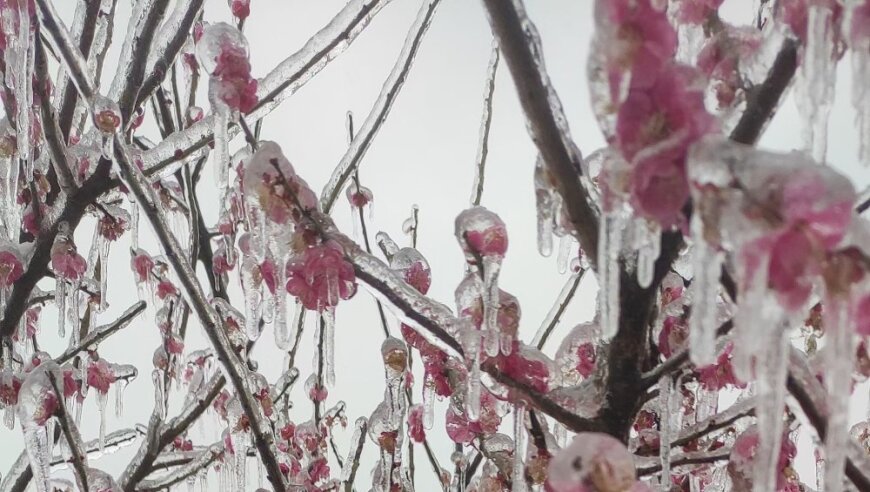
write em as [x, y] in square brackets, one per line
[424, 155]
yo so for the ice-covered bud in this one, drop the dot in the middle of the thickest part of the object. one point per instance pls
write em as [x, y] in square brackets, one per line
[37, 400]
[11, 265]
[113, 223]
[674, 335]
[415, 423]
[720, 60]
[413, 268]
[165, 289]
[481, 233]
[741, 462]
[358, 196]
[223, 53]
[526, 365]
[721, 374]
[860, 432]
[320, 276]
[577, 354]
[316, 391]
[241, 9]
[142, 265]
[10, 385]
[460, 429]
[271, 186]
[100, 375]
[66, 262]
[194, 114]
[107, 115]
[593, 462]
[394, 353]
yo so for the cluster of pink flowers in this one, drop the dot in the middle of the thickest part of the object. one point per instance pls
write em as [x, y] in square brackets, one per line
[462, 430]
[100, 375]
[720, 57]
[662, 112]
[224, 51]
[320, 276]
[66, 262]
[742, 459]
[721, 374]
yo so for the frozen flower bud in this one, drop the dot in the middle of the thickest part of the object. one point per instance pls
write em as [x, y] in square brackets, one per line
[65, 260]
[194, 114]
[320, 276]
[11, 264]
[358, 196]
[37, 400]
[107, 115]
[395, 355]
[413, 268]
[481, 233]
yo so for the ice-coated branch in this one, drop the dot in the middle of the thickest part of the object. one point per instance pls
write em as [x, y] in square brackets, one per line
[69, 53]
[485, 124]
[722, 419]
[764, 99]
[381, 109]
[555, 313]
[84, 32]
[235, 368]
[103, 332]
[277, 85]
[113, 440]
[128, 81]
[53, 138]
[204, 460]
[521, 47]
[809, 395]
[351, 464]
[166, 47]
[649, 466]
[78, 456]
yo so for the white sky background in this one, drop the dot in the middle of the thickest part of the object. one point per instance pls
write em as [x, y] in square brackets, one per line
[424, 154]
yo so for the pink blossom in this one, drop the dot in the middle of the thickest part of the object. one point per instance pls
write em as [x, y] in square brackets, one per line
[415, 423]
[318, 393]
[320, 276]
[165, 288]
[10, 384]
[269, 275]
[721, 374]
[318, 470]
[673, 336]
[525, 366]
[66, 262]
[11, 267]
[235, 86]
[593, 462]
[71, 385]
[241, 9]
[795, 14]
[461, 430]
[742, 459]
[585, 359]
[419, 276]
[481, 232]
[100, 375]
[720, 57]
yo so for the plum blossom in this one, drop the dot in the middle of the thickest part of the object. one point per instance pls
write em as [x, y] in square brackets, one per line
[741, 461]
[320, 276]
[415, 423]
[272, 187]
[11, 265]
[223, 52]
[462, 430]
[241, 9]
[721, 374]
[100, 375]
[481, 233]
[592, 462]
[65, 260]
[720, 58]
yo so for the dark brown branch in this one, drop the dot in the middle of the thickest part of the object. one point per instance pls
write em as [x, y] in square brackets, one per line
[138, 60]
[69, 98]
[71, 434]
[546, 123]
[167, 58]
[60, 173]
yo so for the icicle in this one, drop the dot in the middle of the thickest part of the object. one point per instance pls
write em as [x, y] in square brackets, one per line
[707, 266]
[648, 245]
[60, 302]
[36, 404]
[861, 98]
[282, 332]
[328, 316]
[102, 400]
[23, 44]
[839, 354]
[565, 248]
[104, 272]
[472, 399]
[120, 386]
[518, 478]
[428, 402]
[545, 198]
[159, 402]
[356, 441]
[609, 245]
[666, 404]
[221, 147]
[818, 78]
[771, 368]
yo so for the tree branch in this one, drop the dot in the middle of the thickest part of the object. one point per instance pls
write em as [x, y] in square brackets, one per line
[521, 47]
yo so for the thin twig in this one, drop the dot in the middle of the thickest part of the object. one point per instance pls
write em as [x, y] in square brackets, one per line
[485, 124]
[71, 434]
[102, 332]
[574, 283]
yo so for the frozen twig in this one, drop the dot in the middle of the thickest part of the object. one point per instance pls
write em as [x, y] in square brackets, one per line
[204, 460]
[53, 138]
[485, 124]
[71, 435]
[722, 419]
[649, 466]
[280, 83]
[676, 361]
[102, 332]
[556, 312]
[381, 109]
